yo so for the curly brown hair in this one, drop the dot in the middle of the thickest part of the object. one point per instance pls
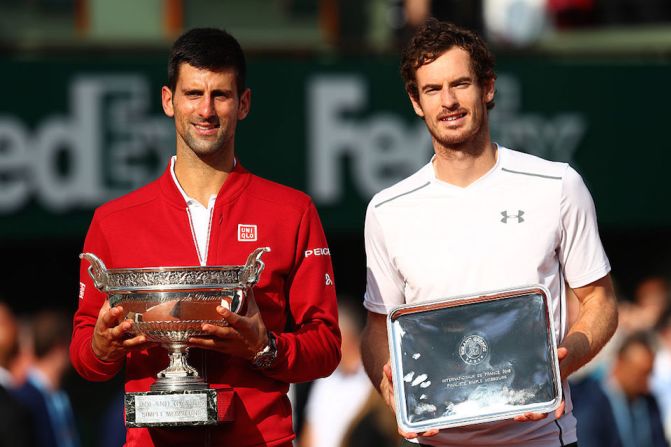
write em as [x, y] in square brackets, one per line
[432, 39]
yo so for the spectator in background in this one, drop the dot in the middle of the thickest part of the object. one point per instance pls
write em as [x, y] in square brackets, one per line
[334, 401]
[515, 22]
[466, 13]
[375, 425]
[112, 424]
[650, 301]
[661, 373]
[652, 296]
[24, 359]
[15, 423]
[41, 393]
[413, 13]
[623, 401]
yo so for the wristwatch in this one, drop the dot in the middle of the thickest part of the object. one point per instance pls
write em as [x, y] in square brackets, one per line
[265, 357]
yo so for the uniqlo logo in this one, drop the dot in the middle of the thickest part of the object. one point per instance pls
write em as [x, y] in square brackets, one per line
[247, 233]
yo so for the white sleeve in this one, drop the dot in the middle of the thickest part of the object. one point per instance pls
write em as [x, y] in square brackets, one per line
[384, 284]
[581, 253]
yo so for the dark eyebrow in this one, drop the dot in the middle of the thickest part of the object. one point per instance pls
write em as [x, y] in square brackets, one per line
[431, 86]
[461, 80]
[454, 82]
[222, 92]
[217, 92]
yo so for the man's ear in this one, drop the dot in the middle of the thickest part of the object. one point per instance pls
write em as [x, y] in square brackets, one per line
[488, 90]
[245, 104]
[416, 105]
[166, 101]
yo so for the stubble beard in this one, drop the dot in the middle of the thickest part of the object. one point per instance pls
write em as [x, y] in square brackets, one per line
[466, 141]
[204, 148]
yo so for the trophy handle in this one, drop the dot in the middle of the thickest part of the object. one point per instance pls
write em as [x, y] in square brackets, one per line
[97, 270]
[254, 266]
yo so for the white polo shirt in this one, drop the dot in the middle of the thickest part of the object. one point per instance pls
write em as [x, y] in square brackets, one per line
[526, 221]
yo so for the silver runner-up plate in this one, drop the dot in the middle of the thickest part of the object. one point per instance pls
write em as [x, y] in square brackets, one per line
[473, 359]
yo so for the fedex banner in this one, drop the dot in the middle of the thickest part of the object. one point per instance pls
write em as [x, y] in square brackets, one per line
[75, 133]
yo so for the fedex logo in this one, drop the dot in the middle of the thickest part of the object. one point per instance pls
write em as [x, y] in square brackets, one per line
[318, 252]
[247, 233]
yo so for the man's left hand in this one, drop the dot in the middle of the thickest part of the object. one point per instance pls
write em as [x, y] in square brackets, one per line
[244, 337]
[562, 352]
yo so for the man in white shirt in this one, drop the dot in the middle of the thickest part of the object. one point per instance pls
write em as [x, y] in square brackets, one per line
[479, 217]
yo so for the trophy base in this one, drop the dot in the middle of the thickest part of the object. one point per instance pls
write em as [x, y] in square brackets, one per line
[179, 408]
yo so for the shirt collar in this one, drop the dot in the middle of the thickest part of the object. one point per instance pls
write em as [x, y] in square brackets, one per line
[236, 182]
[187, 199]
[430, 172]
[6, 379]
[40, 380]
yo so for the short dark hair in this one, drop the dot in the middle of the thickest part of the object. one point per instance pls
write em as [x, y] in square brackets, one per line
[50, 329]
[432, 39]
[638, 338]
[208, 48]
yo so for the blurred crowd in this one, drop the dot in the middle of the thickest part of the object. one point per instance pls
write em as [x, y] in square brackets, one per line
[523, 22]
[337, 24]
[34, 408]
[621, 398]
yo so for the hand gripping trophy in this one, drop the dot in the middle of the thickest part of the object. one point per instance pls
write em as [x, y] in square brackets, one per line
[169, 305]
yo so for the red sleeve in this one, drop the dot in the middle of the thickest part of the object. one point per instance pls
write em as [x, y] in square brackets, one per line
[312, 349]
[91, 300]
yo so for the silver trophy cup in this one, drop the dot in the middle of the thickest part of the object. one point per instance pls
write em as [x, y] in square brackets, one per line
[169, 305]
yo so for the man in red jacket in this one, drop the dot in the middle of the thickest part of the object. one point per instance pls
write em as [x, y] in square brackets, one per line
[206, 209]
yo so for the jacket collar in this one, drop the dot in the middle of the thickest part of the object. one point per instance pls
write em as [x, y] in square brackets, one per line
[235, 183]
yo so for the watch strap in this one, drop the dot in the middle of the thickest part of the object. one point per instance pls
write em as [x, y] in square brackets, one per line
[265, 357]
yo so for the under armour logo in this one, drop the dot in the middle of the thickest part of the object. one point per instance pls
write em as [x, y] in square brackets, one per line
[327, 280]
[517, 216]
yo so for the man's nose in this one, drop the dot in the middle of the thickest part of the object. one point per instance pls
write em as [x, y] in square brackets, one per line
[206, 106]
[448, 99]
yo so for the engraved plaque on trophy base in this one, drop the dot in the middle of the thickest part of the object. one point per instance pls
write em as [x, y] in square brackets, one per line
[179, 408]
[473, 359]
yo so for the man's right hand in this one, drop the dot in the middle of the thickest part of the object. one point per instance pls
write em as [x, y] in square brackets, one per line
[387, 391]
[111, 339]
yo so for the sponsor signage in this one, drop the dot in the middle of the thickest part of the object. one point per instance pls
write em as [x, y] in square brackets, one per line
[75, 133]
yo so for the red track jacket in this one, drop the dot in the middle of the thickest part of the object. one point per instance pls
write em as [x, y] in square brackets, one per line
[150, 227]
